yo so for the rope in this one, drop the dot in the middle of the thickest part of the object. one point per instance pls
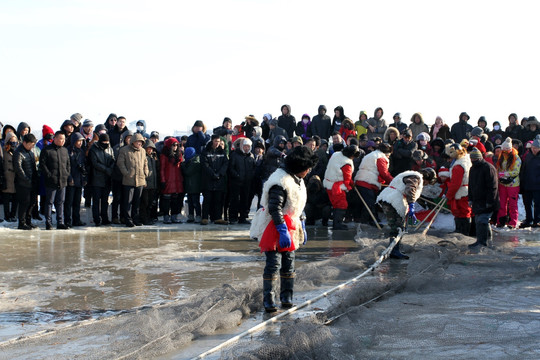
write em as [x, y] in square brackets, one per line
[262, 325]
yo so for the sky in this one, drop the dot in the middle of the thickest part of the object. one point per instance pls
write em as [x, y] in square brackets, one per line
[174, 62]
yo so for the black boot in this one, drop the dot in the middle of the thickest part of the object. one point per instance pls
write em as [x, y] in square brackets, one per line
[23, 225]
[483, 236]
[501, 222]
[463, 225]
[338, 220]
[396, 252]
[286, 294]
[269, 295]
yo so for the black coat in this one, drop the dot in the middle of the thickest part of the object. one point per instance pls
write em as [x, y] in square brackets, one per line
[102, 165]
[214, 168]
[530, 172]
[55, 166]
[483, 188]
[321, 126]
[115, 134]
[287, 123]
[401, 157]
[241, 167]
[460, 130]
[24, 162]
[77, 160]
[514, 132]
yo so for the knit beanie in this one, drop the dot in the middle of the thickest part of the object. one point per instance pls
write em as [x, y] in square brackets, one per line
[536, 142]
[475, 154]
[189, 153]
[46, 130]
[87, 122]
[76, 117]
[507, 145]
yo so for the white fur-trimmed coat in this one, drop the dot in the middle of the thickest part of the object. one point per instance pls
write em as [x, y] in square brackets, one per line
[394, 194]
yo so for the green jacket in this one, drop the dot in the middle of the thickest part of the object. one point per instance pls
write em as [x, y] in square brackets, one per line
[192, 171]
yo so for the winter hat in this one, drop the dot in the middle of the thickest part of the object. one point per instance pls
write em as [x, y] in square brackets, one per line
[251, 117]
[274, 122]
[87, 122]
[423, 136]
[419, 155]
[464, 114]
[363, 137]
[189, 153]
[475, 154]
[398, 115]
[149, 144]
[154, 134]
[76, 136]
[438, 142]
[507, 145]
[371, 143]
[323, 142]
[532, 121]
[536, 142]
[103, 137]
[76, 117]
[198, 123]
[482, 119]
[477, 131]
[267, 116]
[297, 139]
[100, 127]
[407, 132]
[306, 116]
[247, 142]
[259, 144]
[455, 151]
[170, 141]
[46, 130]
[300, 159]
[444, 172]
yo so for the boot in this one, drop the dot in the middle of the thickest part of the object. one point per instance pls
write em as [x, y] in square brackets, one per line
[501, 222]
[286, 294]
[167, 219]
[23, 225]
[268, 295]
[483, 235]
[190, 219]
[325, 222]
[396, 252]
[174, 219]
[338, 220]
[464, 226]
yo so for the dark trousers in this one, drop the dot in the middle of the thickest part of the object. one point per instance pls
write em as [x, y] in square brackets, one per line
[530, 197]
[147, 204]
[239, 197]
[25, 200]
[212, 205]
[72, 206]
[56, 197]
[131, 199]
[117, 198]
[369, 196]
[282, 262]
[100, 204]
[194, 204]
[10, 205]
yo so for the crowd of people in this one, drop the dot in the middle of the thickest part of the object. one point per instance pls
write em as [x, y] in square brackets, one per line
[357, 160]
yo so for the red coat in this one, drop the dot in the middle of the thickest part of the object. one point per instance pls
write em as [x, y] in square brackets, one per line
[171, 175]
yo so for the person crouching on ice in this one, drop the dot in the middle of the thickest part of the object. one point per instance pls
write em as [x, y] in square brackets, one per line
[397, 201]
[338, 181]
[279, 225]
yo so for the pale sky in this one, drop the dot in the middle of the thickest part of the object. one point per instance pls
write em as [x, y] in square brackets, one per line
[174, 62]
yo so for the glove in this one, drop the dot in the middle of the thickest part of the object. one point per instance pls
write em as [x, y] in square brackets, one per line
[305, 233]
[411, 214]
[284, 236]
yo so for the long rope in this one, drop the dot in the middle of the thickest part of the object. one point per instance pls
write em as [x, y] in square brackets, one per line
[262, 325]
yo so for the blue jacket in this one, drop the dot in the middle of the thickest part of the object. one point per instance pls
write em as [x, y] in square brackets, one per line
[198, 141]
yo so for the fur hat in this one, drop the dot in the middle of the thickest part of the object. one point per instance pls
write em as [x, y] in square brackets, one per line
[351, 151]
[246, 141]
[455, 151]
[268, 116]
[536, 141]
[419, 155]
[464, 143]
[475, 154]
[444, 172]
[300, 159]
[507, 145]
[189, 153]
[407, 132]
[251, 118]
[532, 121]
[429, 175]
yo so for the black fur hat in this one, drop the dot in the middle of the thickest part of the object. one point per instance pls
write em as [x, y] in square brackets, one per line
[300, 159]
[351, 151]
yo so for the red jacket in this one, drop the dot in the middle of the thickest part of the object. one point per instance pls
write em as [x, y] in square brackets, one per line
[171, 175]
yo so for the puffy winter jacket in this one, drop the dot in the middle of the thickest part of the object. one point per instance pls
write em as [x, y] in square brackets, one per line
[214, 168]
[241, 167]
[102, 164]
[402, 157]
[78, 168]
[192, 171]
[133, 165]
[483, 189]
[530, 172]
[24, 162]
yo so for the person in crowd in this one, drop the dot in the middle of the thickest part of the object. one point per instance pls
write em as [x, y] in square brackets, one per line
[475, 140]
[321, 124]
[514, 129]
[102, 161]
[318, 204]
[225, 128]
[279, 225]
[397, 202]
[347, 129]
[87, 131]
[257, 182]
[134, 169]
[55, 166]
[172, 181]
[530, 186]
[483, 195]
[110, 123]
[321, 152]
[241, 173]
[531, 130]
[274, 156]
[67, 128]
[337, 141]
[497, 130]
[422, 161]
[117, 203]
[154, 137]
[438, 154]
[265, 126]
[359, 127]
[371, 175]
[391, 135]
[191, 170]
[26, 180]
[508, 168]
[248, 125]
[5, 130]
[140, 126]
[401, 159]
[8, 184]
[417, 125]
[462, 129]
[76, 120]
[457, 194]
[117, 130]
[303, 128]
[296, 141]
[422, 143]
[339, 116]
[398, 124]
[482, 124]
[214, 181]
[77, 179]
[376, 126]
[287, 121]
[257, 135]
[518, 145]
[23, 129]
[198, 138]
[439, 129]
[275, 131]
[148, 196]
[338, 181]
